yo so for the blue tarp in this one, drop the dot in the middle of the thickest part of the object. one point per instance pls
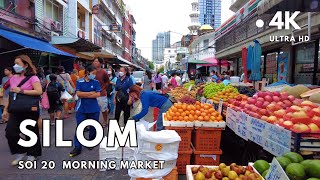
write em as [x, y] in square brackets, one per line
[249, 57]
[32, 43]
[256, 61]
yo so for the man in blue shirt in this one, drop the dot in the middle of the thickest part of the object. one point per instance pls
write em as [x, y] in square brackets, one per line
[88, 90]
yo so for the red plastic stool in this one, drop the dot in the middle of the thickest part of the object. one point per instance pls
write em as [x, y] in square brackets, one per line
[155, 117]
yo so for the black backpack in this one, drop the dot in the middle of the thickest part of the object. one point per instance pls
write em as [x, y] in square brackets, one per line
[109, 88]
[53, 91]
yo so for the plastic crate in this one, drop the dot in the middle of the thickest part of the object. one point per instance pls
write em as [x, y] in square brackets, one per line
[207, 139]
[206, 157]
[185, 134]
[173, 175]
[184, 159]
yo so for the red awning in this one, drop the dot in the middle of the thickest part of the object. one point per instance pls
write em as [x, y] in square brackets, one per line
[212, 61]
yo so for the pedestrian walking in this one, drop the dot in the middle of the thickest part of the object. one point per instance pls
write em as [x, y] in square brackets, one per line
[173, 81]
[24, 86]
[123, 85]
[178, 79]
[54, 90]
[103, 78]
[111, 89]
[164, 79]
[158, 81]
[5, 84]
[88, 90]
[65, 79]
[149, 99]
[147, 85]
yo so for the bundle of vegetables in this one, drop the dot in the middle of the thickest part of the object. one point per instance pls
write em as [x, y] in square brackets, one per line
[211, 89]
[188, 100]
[187, 85]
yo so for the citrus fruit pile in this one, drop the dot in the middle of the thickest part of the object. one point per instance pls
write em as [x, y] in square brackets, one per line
[189, 113]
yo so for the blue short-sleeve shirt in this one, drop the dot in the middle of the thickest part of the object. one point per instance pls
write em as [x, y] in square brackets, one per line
[88, 105]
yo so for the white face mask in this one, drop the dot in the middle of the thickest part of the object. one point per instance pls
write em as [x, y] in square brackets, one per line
[121, 74]
[109, 72]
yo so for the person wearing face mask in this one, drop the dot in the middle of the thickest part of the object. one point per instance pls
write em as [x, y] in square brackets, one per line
[25, 84]
[149, 99]
[111, 89]
[88, 90]
[121, 96]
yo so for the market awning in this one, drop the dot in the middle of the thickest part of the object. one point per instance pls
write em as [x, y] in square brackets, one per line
[30, 42]
[212, 61]
[79, 44]
[195, 61]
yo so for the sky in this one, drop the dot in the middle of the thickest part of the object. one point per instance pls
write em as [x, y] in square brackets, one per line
[153, 16]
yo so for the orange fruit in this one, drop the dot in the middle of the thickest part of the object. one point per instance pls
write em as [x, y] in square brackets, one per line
[187, 113]
[198, 107]
[206, 118]
[183, 114]
[180, 110]
[212, 118]
[180, 118]
[193, 108]
[198, 112]
[200, 118]
[211, 110]
[203, 114]
[171, 113]
[206, 111]
[184, 107]
[198, 103]
[169, 118]
[192, 112]
[177, 114]
[174, 109]
[196, 117]
[191, 118]
[189, 107]
[186, 118]
[219, 118]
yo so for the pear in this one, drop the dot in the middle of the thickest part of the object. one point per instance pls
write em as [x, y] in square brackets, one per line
[200, 176]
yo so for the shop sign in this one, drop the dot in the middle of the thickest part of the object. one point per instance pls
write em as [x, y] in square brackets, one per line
[274, 148]
[283, 67]
[115, 28]
[276, 172]
[256, 126]
[182, 50]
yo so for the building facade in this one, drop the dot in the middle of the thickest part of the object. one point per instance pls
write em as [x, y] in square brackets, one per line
[127, 24]
[161, 42]
[210, 12]
[194, 17]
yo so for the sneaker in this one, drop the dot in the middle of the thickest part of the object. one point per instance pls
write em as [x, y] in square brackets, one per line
[31, 158]
[19, 157]
[75, 152]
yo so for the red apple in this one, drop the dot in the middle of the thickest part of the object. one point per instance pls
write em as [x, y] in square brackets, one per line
[263, 112]
[280, 113]
[313, 127]
[291, 98]
[297, 101]
[316, 120]
[259, 104]
[316, 111]
[287, 124]
[237, 103]
[275, 98]
[272, 119]
[287, 103]
[265, 118]
[280, 103]
[242, 104]
[300, 128]
[254, 108]
[268, 98]
[284, 96]
[271, 107]
[265, 104]
[299, 114]
[261, 94]
[260, 99]
[276, 93]
[252, 100]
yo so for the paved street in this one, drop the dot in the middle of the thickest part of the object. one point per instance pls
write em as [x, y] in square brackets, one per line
[57, 155]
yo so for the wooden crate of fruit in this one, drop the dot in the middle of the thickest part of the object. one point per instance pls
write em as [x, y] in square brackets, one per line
[194, 172]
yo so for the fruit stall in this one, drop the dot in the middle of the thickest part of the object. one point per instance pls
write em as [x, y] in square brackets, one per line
[281, 121]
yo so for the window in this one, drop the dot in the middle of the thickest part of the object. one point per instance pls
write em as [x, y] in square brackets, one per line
[169, 51]
[205, 45]
[10, 4]
[52, 10]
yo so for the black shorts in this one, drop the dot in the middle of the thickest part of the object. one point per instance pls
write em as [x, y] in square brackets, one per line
[158, 86]
[55, 108]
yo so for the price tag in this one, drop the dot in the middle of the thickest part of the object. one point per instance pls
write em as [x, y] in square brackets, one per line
[256, 138]
[210, 102]
[242, 130]
[257, 126]
[203, 100]
[231, 119]
[274, 148]
[279, 135]
[276, 172]
[220, 106]
[190, 87]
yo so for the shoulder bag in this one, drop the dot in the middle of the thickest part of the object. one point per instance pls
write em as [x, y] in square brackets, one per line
[22, 103]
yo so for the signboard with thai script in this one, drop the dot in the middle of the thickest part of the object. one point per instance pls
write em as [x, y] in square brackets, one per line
[276, 172]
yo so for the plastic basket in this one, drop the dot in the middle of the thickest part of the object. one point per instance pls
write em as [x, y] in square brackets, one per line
[184, 159]
[207, 139]
[173, 175]
[185, 134]
[206, 157]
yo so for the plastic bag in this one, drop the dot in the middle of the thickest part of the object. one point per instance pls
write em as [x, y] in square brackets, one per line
[76, 98]
[45, 101]
[65, 96]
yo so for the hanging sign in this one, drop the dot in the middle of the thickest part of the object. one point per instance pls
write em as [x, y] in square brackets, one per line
[282, 67]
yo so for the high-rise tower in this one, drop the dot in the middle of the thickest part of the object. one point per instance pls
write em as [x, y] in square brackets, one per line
[194, 15]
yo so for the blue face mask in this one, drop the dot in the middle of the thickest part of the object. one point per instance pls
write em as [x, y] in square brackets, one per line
[92, 76]
[17, 68]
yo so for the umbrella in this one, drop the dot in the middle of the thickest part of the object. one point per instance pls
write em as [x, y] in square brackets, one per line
[244, 62]
[256, 61]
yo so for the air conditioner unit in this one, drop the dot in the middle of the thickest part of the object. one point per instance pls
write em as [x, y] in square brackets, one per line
[54, 34]
[57, 26]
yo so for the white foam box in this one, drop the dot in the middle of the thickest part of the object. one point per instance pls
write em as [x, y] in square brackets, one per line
[190, 176]
[167, 123]
[210, 124]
